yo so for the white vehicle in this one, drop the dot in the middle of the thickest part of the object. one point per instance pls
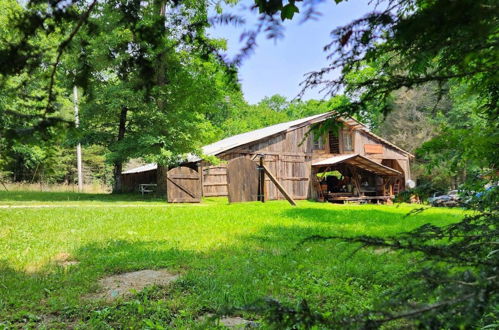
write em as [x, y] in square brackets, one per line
[450, 199]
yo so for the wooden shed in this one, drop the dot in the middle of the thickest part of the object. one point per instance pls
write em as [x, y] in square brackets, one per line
[297, 159]
[131, 179]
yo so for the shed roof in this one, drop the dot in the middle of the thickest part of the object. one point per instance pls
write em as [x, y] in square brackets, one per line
[359, 161]
[252, 136]
[143, 168]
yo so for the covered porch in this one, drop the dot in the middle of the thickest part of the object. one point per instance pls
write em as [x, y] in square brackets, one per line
[355, 178]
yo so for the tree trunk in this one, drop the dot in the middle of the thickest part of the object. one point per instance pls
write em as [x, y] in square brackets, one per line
[161, 173]
[118, 164]
[161, 188]
[117, 184]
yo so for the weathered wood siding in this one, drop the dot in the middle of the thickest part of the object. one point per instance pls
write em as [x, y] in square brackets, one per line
[214, 177]
[183, 185]
[214, 180]
[130, 182]
[361, 139]
[289, 157]
[242, 179]
[286, 157]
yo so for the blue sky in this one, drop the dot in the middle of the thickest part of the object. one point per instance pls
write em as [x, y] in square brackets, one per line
[278, 67]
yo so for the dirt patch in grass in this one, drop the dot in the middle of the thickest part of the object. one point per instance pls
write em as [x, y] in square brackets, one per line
[380, 251]
[236, 322]
[121, 285]
[64, 259]
[233, 322]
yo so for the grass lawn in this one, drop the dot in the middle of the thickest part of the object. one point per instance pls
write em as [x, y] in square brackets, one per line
[227, 256]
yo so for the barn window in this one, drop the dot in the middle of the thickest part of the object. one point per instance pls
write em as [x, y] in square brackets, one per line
[334, 143]
[318, 143]
[347, 141]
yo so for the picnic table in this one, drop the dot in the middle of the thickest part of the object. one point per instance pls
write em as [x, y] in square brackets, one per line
[145, 188]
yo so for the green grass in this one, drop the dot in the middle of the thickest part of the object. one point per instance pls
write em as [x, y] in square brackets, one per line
[48, 198]
[227, 255]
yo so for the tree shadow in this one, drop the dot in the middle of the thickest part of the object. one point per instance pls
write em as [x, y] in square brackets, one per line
[361, 220]
[56, 289]
[331, 215]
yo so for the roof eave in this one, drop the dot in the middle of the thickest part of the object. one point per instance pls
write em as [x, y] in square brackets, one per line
[371, 165]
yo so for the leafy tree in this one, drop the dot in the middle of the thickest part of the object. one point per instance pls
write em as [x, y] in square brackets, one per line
[242, 117]
[150, 77]
[410, 43]
[239, 117]
[133, 115]
[466, 145]
[275, 102]
[28, 153]
[413, 41]
[411, 122]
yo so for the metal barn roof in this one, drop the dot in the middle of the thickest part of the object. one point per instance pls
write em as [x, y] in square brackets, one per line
[245, 138]
[143, 168]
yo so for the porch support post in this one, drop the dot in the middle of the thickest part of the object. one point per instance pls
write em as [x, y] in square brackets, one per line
[261, 181]
[315, 186]
[355, 177]
[387, 185]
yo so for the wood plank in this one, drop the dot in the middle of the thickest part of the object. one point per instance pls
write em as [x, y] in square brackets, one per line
[184, 176]
[215, 194]
[276, 153]
[355, 178]
[278, 185]
[201, 178]
[373, 148]
[185, 189]
[261, 181]
[340, 198]
[292, 161]
[183, 185]
[242, 179]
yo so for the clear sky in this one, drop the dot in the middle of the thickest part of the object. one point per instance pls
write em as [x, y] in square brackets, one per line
[278, 67]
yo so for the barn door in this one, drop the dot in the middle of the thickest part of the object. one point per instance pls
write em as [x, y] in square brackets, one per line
[242, 179]
[183, 185]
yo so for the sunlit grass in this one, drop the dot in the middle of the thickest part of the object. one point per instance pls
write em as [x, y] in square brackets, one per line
[228, 254]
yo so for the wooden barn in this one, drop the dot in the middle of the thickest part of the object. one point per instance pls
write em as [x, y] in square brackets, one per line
[348, 164]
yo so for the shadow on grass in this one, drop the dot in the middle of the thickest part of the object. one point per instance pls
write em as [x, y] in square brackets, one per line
[39, 196]
[261, 263]
[391, 219]
[265, 263]
[26, 298]
[338, 215]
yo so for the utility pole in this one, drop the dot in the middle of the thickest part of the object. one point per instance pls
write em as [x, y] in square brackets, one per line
[78, 146]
